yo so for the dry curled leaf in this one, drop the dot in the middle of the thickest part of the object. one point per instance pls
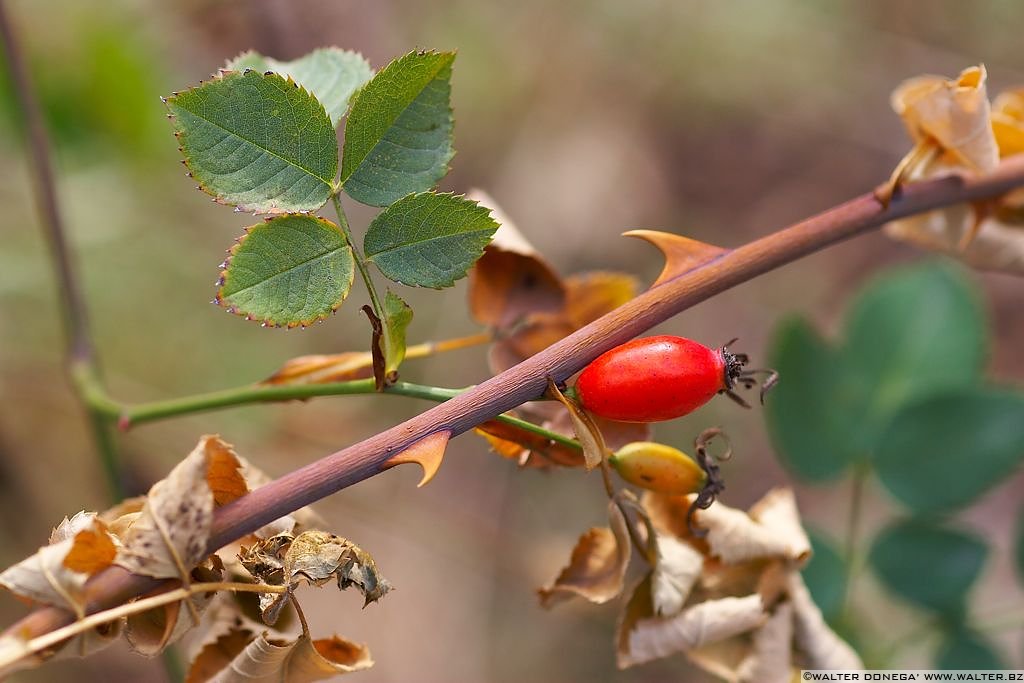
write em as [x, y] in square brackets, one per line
[237, 657]
[56, 574]
[1008, 122]
[771, 656]
[149, 633]
[597, 567]
[587, 432]
[952, 114]
[818, 645]
[677, 568]
[169, 536]
[313, 557]
[323, 369]
[771, 529]
[511, 279]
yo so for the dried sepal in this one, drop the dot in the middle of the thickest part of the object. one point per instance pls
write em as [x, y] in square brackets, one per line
[597, 566]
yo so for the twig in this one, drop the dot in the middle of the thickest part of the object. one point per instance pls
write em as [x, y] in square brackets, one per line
[527, 381]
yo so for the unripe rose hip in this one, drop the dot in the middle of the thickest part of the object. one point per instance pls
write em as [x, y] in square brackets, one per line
[660, 378]
[657, 467]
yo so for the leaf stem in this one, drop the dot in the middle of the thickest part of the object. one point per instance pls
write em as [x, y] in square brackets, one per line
[357, 255]
[851, 553]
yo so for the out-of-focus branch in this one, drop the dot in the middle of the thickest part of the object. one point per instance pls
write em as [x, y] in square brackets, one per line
[528, 380]
[81, 356]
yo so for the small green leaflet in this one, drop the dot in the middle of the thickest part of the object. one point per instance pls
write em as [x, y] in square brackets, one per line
[331, 74]
[258, 142]
[397, 316]
[289, 271]
[429, 239]
[398, 137]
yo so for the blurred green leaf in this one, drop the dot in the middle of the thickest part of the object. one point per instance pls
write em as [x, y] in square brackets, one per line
[331, 74]
[397, 316]
[928, 565]
[1020, 544]
[258, 142]
[807, 415]
[911, 332]
[291, 270]
[398, 138]
[825, 576]
[965, 649]
[942, 452]
[429, 239]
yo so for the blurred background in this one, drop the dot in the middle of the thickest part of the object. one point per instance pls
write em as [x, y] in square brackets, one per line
[720, 120]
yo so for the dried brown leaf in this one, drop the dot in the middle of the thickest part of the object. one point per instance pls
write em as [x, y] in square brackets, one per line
[511, 279]
[323, 369]
[312, 557]
[771, 529]
[1008, 122]
[56, 574]
[149, 633]
[676, 570]
[428, 453]
[682, 254]
[277, 660]
[597, 567]
[955, 114]
[818, 644]
[696, 626]
[169, 536]
[593, 294]
[771, 658]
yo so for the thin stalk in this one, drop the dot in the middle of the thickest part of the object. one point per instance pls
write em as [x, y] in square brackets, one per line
[851, 552]
[81, 357]
[528, 380]
[357, 255]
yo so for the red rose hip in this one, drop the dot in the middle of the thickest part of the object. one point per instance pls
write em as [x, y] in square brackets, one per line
[660, 378]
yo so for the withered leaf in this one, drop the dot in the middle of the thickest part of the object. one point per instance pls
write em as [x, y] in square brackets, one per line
[312, 557]
[1008, 122]
[56, 574]
[771, 656]
[676, 570]
[697, 625]
[819, 646]
[682, 254]
[597, 567]
[264, 660]
[324, 369]
[516, 443]
[149, 633]
[511, 279]
[954, 114]
[169, 536]
[771, 529]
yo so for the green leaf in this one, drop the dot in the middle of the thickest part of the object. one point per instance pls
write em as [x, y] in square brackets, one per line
[825, 576]
[912, 332]
[288, 271]
[928, 565]
[963, 649]
[944, 451]
[398, 138]
[397, 316]
[808, 413]
[332, 75]
[257, 141]
[428, 239]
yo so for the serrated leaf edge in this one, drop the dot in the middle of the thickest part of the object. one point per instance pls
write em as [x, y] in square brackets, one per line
[255, 211]
[225, 265]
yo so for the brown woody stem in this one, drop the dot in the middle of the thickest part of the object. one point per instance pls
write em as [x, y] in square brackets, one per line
[527, 381]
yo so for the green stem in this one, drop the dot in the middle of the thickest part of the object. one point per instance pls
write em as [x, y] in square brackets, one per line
[357, 255]
[129, 416]
[850, 545]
